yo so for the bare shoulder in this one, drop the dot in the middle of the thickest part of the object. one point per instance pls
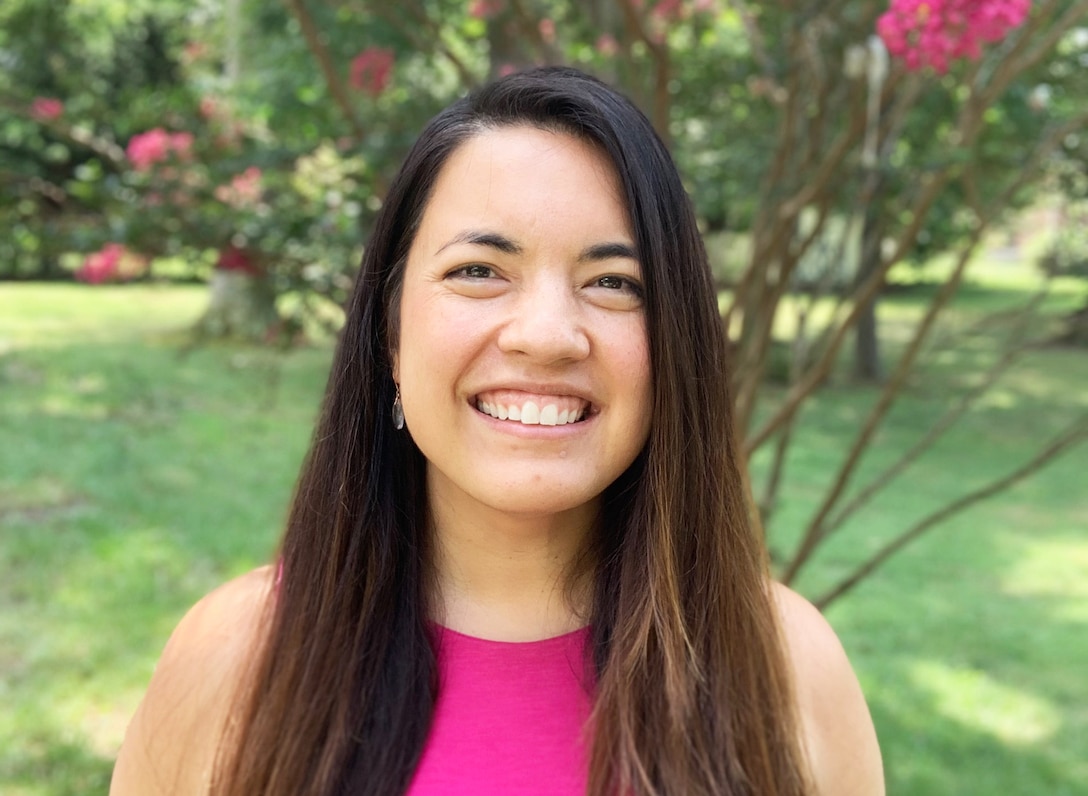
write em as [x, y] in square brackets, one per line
[171, 742]
[838, 731]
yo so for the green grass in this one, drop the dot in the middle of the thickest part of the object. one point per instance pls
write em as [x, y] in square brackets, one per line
[134, 478]
[971, 644]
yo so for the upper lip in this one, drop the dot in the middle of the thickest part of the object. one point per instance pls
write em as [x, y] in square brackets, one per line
[541, 388]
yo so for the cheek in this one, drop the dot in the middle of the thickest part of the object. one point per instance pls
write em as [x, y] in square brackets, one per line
[630, 355]
[436, 341]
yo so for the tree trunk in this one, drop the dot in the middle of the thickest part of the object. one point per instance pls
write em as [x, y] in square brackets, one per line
[509, 49]
[1076, 329]
[867, 362]
[242, 305]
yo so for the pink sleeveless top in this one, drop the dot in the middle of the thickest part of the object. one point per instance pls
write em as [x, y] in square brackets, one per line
[510, 718]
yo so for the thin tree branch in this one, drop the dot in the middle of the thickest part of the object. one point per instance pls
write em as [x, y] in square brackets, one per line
[105, 148]
[1010, 355]
[321, 54]
[528, 22]
[434, 37]
[931, 187]
[1072, 436]
[756, 39]
[814, 533]
[798, 356]
[1011, 66]
[661, 101]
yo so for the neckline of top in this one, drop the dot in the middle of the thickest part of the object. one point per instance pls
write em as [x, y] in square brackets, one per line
[443, 631]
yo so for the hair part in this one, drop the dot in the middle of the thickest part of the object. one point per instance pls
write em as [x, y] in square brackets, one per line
[693, 692]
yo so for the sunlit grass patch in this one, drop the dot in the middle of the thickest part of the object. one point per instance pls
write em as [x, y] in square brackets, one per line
[976, 700]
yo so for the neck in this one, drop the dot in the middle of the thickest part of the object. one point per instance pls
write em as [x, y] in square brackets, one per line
[509, 577]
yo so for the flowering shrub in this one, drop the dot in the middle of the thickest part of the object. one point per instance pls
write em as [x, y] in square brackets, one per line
[935, 33]
[371, 70]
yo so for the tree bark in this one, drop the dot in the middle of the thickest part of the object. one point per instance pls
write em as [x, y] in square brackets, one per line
[241, 305]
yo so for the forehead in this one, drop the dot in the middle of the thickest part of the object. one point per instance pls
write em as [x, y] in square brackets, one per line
[528, 177]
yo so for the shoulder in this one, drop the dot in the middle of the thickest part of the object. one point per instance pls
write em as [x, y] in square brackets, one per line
[171, 742]
[838, 732]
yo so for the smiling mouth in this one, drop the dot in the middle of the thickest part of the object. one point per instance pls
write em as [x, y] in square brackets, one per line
[557, 410]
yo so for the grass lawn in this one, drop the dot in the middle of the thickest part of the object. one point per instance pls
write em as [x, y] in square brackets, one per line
[135, 477]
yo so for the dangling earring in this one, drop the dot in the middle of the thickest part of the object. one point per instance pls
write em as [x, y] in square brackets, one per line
[398, 412]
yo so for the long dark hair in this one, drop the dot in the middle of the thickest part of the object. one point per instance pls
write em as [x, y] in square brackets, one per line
[693, 695]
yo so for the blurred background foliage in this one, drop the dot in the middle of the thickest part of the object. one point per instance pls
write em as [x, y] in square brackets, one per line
[263, 85]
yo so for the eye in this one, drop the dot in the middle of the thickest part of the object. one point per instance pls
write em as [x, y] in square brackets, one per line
[620, 283]
[473, 271]
[616, 292]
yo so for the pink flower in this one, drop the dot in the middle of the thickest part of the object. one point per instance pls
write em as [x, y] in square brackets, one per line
[112, 263]
[936, 33]
[144, 150]
[208, 107]
[371, 70]
[181, 144]
[607, 45]
[484, 9]
[46, 109]
[243, 190]
[547, 30]
[667, 9]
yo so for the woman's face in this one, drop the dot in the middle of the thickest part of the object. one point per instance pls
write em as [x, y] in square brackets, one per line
[522, 358]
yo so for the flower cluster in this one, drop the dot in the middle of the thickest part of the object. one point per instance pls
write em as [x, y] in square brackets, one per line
[46, 109]
[112, 263]
[934, 33]
[371, 70]
[484, 9]
[144, 150]
[244, 190]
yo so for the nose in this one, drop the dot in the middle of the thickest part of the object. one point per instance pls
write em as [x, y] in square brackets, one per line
[547, 324]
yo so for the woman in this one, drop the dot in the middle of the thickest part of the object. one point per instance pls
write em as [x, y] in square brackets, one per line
[518, 559]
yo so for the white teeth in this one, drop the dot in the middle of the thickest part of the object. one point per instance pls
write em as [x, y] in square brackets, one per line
[530, 414]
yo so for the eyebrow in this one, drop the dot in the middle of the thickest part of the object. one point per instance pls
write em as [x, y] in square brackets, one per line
[494, 240]
[608, 251]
